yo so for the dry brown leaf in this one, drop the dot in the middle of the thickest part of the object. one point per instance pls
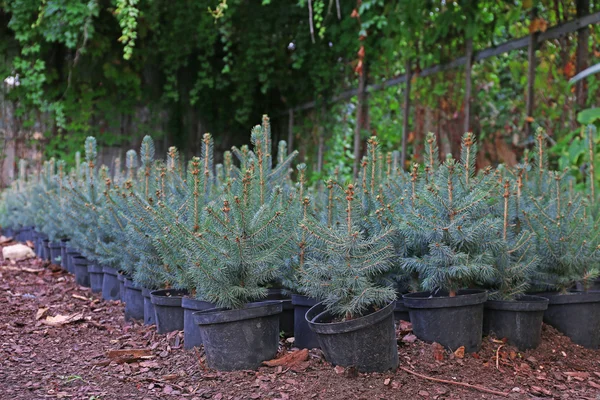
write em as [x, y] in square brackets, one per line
[40, 313]
[404, 326]
[289, 359]
[438, 351]
[76, 296]
[4, 239]
[410, 338]
[387, 381]
[460, 352]
[133, 353]
[60, 320]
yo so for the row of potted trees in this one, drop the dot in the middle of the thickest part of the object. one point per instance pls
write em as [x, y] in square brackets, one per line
[237, 253]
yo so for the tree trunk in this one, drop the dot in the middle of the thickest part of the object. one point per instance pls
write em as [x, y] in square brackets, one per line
[468, 68]
[405, 125]
[290, 140]
[360, 120]
[530, 76]
[583, 38]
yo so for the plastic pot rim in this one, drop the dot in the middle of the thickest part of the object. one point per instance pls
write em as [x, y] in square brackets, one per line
[223, 315]
[524, 303]
[190, 303]
[129, 284]
[167, 297]
[333, 328]
[110, 270]
[425, 300]
[573, 298]
[303, 301]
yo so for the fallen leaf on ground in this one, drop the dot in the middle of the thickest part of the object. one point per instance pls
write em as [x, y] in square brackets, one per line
[289, 359]
[387, 381]
[410, 338]
[60, 320]
[439, 352]
[40, 313]
[404, 326]
[4, 239]
[460, 352]
[339, 369]
[122, 356]
[17, 252]
[76, 296]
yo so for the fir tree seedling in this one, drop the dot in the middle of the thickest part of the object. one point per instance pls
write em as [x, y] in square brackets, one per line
[566, 237]
[346, 267]
[516, 259]
[451, 235]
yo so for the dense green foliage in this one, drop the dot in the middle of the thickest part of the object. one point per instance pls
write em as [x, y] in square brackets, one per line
[123, 69]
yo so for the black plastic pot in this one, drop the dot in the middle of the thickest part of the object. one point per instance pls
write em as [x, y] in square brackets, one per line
[286, 319]
[96, 276]
[122, 278]
[55, 250]
[367, 343]
[450, 321]
[110, 284]
[71, 253]
[39, 245]
[34, 238]
[63, 254]
[240, 339]
[19, 234]
[149, 312]
[30, 232]
[519, 321]
[401, 311]
[134, 301]
[167, 307]
[577, 315]
[304, 337]
[46, 251]
[82, 275]
[191, 330]
[8, 232]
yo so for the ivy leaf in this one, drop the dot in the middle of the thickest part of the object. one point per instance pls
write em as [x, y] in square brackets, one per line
[589, 116]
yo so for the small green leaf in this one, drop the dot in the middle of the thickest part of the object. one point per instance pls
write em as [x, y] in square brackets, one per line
[588, 116]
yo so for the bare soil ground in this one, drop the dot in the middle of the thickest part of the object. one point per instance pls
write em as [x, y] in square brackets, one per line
[55, 337]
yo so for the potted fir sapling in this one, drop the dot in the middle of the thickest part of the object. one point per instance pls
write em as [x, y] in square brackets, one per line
[452, 221]
[509, 313]
[71, 248]
[131, 243]
[53, 200]
[247, 234]
[115, 250]
[109, 249]
[387, 194]
[169, 220]
[271, 176]
[81, 209]
[566, 244]
[346, 267]
[304, 337]
[152, 272]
